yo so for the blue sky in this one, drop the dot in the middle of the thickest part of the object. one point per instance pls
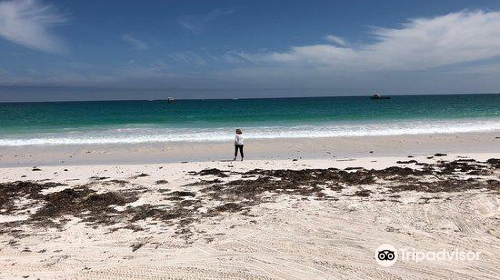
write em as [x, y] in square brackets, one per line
[448, 46]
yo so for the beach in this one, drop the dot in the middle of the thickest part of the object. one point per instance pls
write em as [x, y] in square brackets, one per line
[294, 209]
[242, 140]
[149, 190]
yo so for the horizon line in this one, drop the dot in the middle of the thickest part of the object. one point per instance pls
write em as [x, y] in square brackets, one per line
[245, 98]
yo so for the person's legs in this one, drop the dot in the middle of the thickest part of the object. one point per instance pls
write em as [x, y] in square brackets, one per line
[241, 152]
[235, 151]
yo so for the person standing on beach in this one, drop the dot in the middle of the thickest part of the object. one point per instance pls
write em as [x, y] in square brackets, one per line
[238, 144]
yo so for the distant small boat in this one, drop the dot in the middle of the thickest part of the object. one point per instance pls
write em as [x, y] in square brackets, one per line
[170, 100]
[379, 96]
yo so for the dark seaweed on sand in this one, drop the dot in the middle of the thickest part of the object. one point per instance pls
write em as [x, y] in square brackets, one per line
[231, 192]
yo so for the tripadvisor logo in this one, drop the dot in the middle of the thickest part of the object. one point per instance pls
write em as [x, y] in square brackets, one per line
[387, 255]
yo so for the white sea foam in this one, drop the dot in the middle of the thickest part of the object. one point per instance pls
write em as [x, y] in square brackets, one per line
[151, 135]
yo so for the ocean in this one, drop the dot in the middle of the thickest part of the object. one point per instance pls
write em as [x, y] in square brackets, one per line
[116, 122]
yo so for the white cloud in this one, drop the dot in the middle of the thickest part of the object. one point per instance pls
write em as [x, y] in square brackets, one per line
[29, 23]
[336, 40]
[419, 44]
[138, 44]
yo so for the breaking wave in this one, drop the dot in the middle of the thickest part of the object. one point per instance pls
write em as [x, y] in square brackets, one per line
[341, 129]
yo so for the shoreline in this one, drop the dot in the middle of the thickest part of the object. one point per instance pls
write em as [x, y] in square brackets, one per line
[255, 149]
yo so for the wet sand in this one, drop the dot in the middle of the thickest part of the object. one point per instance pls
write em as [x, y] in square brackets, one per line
[270, 149]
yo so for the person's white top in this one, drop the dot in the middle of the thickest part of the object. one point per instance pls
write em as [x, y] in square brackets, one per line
[239, 139]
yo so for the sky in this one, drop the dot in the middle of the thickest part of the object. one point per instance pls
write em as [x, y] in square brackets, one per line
[87, 50]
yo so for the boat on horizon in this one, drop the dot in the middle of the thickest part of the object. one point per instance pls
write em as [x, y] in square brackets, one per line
[379, 96]
[170, 100]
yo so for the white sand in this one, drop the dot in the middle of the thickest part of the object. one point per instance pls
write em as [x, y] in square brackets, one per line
[287, 239]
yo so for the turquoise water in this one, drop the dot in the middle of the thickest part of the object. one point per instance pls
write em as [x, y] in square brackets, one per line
[215, 120]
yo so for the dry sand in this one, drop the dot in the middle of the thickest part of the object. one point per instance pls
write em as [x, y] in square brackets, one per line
[313, 224]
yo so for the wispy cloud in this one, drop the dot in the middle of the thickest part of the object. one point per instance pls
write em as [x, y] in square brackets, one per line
[136, 43]
[196, 23]
[189, 57]
[336, 40]
[237, 57]
[129, 74]
[419, 44]
[29, 23]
